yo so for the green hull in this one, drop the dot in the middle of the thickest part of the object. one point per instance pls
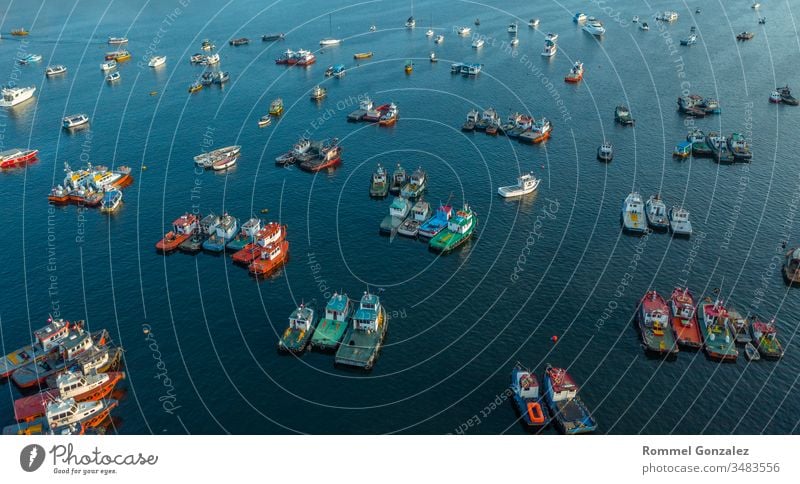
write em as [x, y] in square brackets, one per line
[378, 190]
[448, 241]
[328, 334]
[294, 340]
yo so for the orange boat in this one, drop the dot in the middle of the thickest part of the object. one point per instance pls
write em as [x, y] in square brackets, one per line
[576, 73]
[684, 319]
[272, 257]
[271, 233]
[182, 229]
[68, 385]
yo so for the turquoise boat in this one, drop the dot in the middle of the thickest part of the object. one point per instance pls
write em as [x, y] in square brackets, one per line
[459, 229]
[332, 327]
[301, 326]
[436, 223]
[223, 233]
[245, 236]
[398, 211]
[365, 335]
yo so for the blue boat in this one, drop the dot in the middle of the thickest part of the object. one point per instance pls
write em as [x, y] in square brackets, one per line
[437, 223]
[567, 409]
[528, 397]
[224, 232]
[339, 71]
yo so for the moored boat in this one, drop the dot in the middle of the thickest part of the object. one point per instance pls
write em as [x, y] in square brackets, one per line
[11, 96]
[264, 121]
[302, 323]
[55, 70]
[239, 41]
[460, 228]
[717, 339]
[786, 96]
[622, 115]
[417, 183]
[113, 77]
[318, 93]
[420, 212]
[86, 414]
[182, 228]
[271, 258]
[75, 121]
[206, 227]
[438, 222]
[362, 55]
[276, 107]
[108, 65]
[739, 147]
[246, 235]
[389, 117]
[684, 319]
[541, 130]
[529, 397]
[399, 179]
[656, 211]
[576, 73]
[398, 211]
[273, 37]
[633, 218]
[117, 40]
[791, 266]
[223, 233]
[270, 234]
[679, 223]
[207, 159]
[70, 349]
[16, 157]
[751, 353]
[473, 116]
[112, 200]
[654, 327]
[330, 329]
[605, 152]
[46, 341]
[70, 384]
[157, 60]
[739, 326]
[765, 339]
[526, 183]
[364, 338]
[379, 186]
[568, 410]
[323, 154]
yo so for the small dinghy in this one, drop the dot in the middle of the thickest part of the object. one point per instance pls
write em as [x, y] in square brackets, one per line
[751, 353]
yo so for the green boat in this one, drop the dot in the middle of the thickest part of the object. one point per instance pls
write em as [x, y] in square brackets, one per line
[301, 327]
[379, 187]
[332, 327]
[365, 335]
[719, 343]
[459, 229]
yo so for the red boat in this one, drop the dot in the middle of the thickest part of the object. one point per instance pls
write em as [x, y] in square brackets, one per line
[653, 319]
[182, 229]
[328, 157]
[576, 73]
[16, 157]
[47, 340]
[272, 233]
[684, 319]
[68, 385]
[272, 257]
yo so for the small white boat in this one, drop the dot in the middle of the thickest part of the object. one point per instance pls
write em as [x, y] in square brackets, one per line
[755, 5]
[117, 40]
[157, 60]
[477, 43]
[373, 28]
[329, 42]
[679, 222]
[534, 22]
[526, 184]
[552, 37]
[635, 19]
[775, 97]
[514, 42]
[633, 217]
[433, 57]
[439, 39]
[605, 152]
[550, 48]
[11, 96]
[210, 60]
[107, 66]
[55, 70]
[595, 27]
[644, 26]
[429, 33]
[265, 121]
[75, 120]
[113, 77]
[464, 31]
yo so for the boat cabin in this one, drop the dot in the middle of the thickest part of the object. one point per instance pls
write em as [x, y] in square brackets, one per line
[683, 149]
[563, 386]
[51, 335]
[76, 343]
[462, 222]
[399, 207]
[420, 211]
[526, 385]
[338, 307]
[301, 318]
[367, 316]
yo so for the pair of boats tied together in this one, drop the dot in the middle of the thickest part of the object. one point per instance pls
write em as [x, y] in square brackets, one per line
[664, 328]
[637, 216]
[219, 159]
[382, 114]
[312, 156]
[783, 95]
[525, 128]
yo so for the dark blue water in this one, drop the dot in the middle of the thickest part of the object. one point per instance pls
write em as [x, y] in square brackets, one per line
[459, 322]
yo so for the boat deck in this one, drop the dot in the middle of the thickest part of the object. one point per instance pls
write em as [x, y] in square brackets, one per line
[294, 340]
[359, 348]
[357, 115]
[328, 334]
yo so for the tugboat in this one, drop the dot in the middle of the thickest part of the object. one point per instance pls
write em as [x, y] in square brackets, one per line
[679, 223]
[398, 180]
[245, 236]
[364, 338]
[272, 257]
[567, 409]
[765, 337]
[717, 339]
[633, 219]
[622, 115]
[379, 187]
[182, 228]
[46, 341]
[332, 327]
[420, 212]
[526, 183]
[416, 185]
[112, 200]
[653, 315]
[459, 229]
[656, 211]
[194, 243]
[528, 399]
[271, 233]
[302, 322]
[437, 223]
[605, 152]
[684, 319]
[739, 147]
[791, 266]
[70, 384]
[398, 211]
[223, 233]
[576, 73]
[739, 327]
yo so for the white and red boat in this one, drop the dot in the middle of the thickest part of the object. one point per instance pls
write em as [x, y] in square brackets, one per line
[47, 341]
[16, 157]
[68, 385]
[272, 233]
[272, 257]
[65, 413]
[305, 58]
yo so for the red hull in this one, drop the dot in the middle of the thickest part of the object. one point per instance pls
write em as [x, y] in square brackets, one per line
[687, 335]
[168, 244]
[248, 254]
[324, 165]
[265, 267]
[16, 161]
[35, 406]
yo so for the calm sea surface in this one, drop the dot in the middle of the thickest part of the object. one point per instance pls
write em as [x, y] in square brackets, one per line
[459, 322]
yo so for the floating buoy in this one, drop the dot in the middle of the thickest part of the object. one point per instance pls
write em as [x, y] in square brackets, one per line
[542, 167]
[144, 168]
[146, 331]
[554, 338]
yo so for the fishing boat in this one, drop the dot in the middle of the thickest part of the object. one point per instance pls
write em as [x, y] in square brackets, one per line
[46, 341]
[121, 56]
[362, 55]
[223, 233]
[207, 45]
[455, 68]
[75, 120]
[786, 96]
[399, 178]
[264, 121]
[338, 71]
[117, 40]
[113, 77]
[622, 115]
[739, 326]
[438, 222]
[528, 397]
[330, 329]
[206, 227]
[70, 384]
[656, 211]
[195, 86]
[220, 77]
[70, 349]
[717, 339]
[20, 32]
[420, 212]
[246, 235]
[550, 48]
[439, 39]
[323, 154]
[157, 60]
[276, 107]
[364, 338]
[304, 58]
[271, 258]
[69, 413]
[745, 35]
[473, 116]
[11, 96]
[460, 228]
[379, 187]
[55, 70]
[576, 73]
[710, 106]
[568, 410]
[765, 339]
[112, 200]
[751, 353]
[302, 323]
[739, 147]
[16, 157]
[512, 28]
[654, 327]
[299, 150]
[239, 41]
[197, 58]
[182, 228]
[594, 27]
[679, 223]
[272, 233]
[207, 160]
[318, 93]
[398, 211]
[489, 117]
[287, 57]
[417, 183]
[526, 183]
[273, 37]
[775, 97]
[390, 116]
[684, 319]
[108, 65]
[791, 266]
[409, 67]
[682, 149]
[633, 219]
[605, 152]
[579, 17]
[538, 133]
